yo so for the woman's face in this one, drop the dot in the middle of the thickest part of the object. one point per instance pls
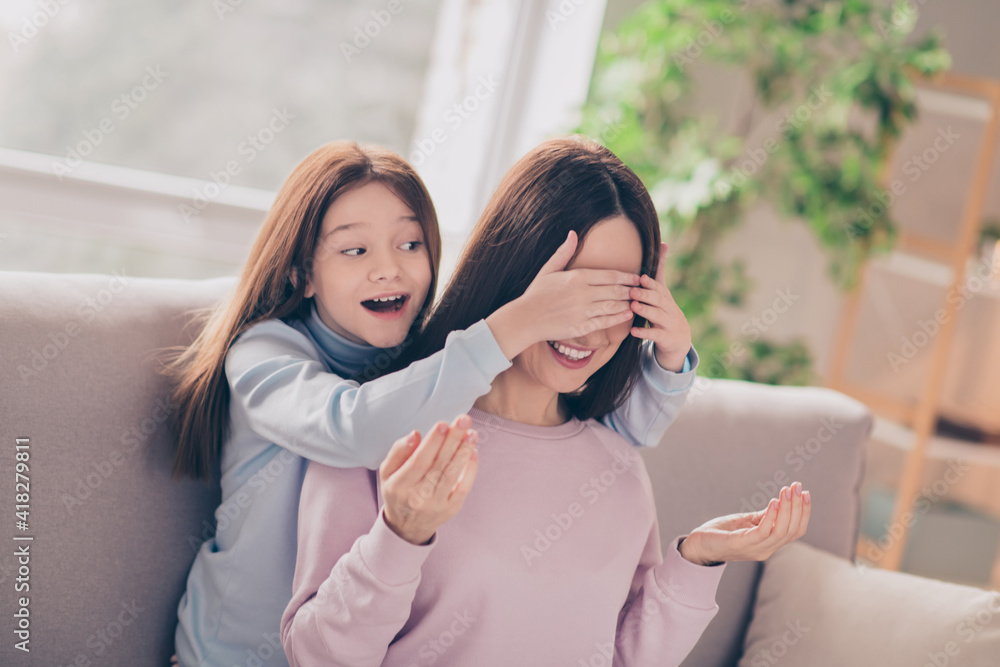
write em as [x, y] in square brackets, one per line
[613, 243]
[370, 246]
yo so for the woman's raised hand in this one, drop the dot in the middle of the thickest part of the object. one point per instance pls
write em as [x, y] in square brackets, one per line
[561, 304]
[424, 483]
[753, 535]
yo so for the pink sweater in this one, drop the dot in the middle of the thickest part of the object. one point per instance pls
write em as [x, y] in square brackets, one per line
[554, 559]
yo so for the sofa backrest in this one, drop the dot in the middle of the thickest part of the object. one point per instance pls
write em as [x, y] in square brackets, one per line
[114, 534]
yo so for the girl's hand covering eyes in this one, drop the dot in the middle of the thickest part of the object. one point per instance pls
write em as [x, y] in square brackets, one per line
[425, 482]
[562, 304]
[752, 535]
[669, 329]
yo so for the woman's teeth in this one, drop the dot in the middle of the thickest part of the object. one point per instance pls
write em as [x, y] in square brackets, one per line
[570, 352]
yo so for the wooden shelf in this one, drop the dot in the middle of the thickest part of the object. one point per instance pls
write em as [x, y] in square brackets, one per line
[939, 448]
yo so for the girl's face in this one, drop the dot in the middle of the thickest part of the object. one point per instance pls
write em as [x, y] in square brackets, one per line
[613, 243]
[371, 246]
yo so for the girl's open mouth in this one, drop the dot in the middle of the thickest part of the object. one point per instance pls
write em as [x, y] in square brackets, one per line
[388, 305]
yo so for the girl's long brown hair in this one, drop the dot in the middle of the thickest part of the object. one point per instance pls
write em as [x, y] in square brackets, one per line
[273, 282]
[563, 184]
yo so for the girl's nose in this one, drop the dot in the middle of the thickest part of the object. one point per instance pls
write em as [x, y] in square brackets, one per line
[385, 268]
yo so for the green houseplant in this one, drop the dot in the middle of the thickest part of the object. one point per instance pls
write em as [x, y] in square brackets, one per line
[839, 77]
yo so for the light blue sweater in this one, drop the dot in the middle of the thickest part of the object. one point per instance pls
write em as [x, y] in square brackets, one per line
[290, 403]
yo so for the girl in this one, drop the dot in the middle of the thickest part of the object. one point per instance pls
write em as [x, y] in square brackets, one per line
[554, 558]
[339, 278]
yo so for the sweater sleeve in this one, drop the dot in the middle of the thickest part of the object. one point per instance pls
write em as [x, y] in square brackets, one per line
[671, 602]
[349, 599]
[655, 401]
[288, 397]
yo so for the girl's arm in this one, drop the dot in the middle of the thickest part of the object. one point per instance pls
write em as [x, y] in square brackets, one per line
[285, 394]
[282, 389]
[354, 580]
[655, 400]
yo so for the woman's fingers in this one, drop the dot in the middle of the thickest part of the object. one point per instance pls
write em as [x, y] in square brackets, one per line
[461, 490]
[425, 466]
[793, 522]
[415, 467]
[454, 438]
[397, 456]
[769, 521]
[806, 508]
[424, 458]
[781, 522]
[453, 471]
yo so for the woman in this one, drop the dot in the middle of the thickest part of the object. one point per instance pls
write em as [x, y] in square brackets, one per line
[552, 556]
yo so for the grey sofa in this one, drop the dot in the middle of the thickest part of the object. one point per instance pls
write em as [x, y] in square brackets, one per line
[114, 535]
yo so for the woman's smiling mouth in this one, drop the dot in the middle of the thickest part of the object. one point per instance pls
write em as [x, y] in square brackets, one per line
[570, 357]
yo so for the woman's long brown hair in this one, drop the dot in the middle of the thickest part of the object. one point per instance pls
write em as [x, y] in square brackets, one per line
[273, 282]
[562, 185]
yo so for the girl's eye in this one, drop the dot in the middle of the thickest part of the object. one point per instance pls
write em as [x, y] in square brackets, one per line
[351, 251]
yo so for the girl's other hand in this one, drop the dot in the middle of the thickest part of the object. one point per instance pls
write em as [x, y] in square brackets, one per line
[425, 483]
[752, 535]
[560, 304]
[668, 328]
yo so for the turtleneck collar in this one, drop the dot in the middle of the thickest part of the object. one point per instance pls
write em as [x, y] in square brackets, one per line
[343, 356]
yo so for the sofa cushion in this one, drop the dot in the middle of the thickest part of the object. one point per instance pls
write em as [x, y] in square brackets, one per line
[817, 609]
